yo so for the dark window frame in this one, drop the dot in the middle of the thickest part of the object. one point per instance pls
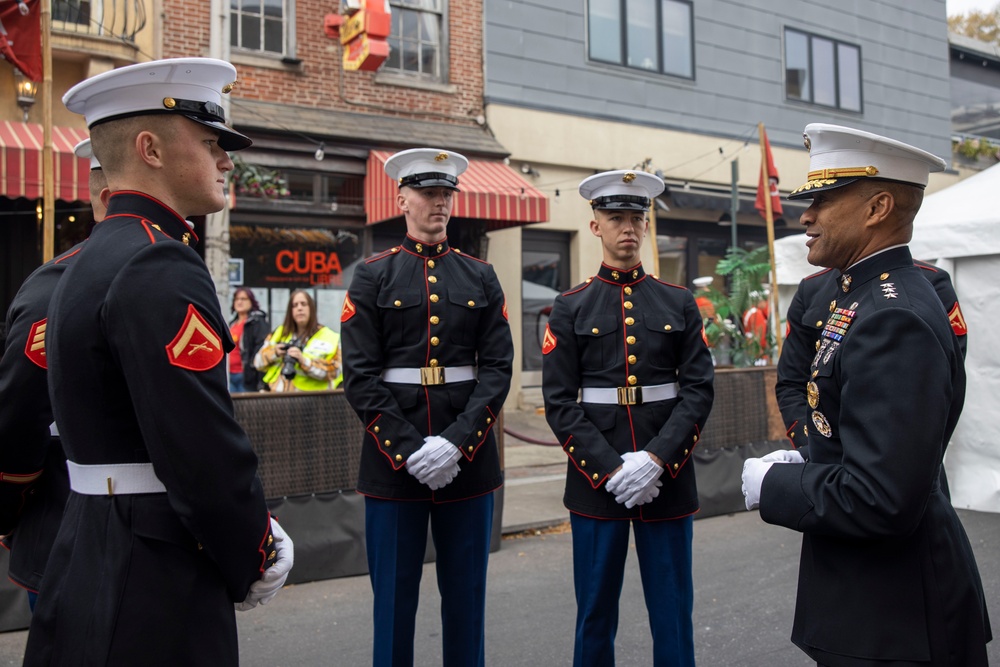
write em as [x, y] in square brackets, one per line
[837, 43]
[235, 37]
[623, 59]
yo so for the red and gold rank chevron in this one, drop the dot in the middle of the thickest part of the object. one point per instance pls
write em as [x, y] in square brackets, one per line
[549, 341]
[196, 347]
[34, 348]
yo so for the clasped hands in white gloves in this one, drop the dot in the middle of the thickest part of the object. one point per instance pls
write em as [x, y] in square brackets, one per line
[638, 480]
[274, 577]
[435, 463]
[755, 469]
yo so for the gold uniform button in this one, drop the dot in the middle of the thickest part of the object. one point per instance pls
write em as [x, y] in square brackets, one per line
[628, 290]
[471, 303]
[388, 442]
[571, 449]
[632, 358]
[884, 276]
[435, 319]
[377, 429]
[434, 298]
[169, 102]
[676, 466]
[270, 540]
[430, 263]
[695, 438]
[630, 340]
[685, 452]
[629, 321]
[819, 323]
[433, 363]
[434, 341]
[471, 448]
[595, 476]
[272, 555]
[632, 379]
[399, 457]
[628, 305]
[479, 434]
[432, 279]
[489, 420]
[583, 464]
[595, 330]
[397, 303]
[667, 327]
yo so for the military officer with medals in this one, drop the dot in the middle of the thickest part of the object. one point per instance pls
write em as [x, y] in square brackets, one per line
[165, 528]
[33, 482]
[627, 379]
[887, 575]
[427, 357]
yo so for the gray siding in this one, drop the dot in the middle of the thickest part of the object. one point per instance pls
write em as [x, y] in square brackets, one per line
[536, 57]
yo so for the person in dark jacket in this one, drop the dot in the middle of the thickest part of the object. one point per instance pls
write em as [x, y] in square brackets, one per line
[427, 357]
[887, 575]
[166, 527]
[249, 329]
[633, 349]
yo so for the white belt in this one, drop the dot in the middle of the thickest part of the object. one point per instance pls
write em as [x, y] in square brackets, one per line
[429, 375]
[629, 395]
[114, 479]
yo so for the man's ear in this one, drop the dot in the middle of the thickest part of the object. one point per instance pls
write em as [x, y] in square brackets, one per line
[147, 147]
[595, 228]
[879, 207]
[401, 201]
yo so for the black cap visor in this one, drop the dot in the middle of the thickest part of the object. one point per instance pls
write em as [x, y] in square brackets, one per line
[620, 203]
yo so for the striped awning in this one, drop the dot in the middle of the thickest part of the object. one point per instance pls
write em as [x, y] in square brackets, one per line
[21, 162]
[490, 190]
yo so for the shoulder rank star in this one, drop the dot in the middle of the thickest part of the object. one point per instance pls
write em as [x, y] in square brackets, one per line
[889, 290]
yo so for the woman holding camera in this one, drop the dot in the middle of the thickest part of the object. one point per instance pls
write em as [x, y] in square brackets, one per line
[301, 354]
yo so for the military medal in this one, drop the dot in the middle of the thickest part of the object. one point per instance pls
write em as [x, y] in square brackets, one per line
[829, 353]
[812, 393]
[821, 424]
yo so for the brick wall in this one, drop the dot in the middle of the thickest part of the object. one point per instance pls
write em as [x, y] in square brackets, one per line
[320, 81]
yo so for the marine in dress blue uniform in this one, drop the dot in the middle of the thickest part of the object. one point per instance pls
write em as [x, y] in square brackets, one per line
[427, 358]
[34, 483]
[887, 575]
[632, 348]
[165, 528]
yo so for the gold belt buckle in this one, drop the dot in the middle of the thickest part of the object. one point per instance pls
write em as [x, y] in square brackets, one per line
[629, 395]
[431, 375]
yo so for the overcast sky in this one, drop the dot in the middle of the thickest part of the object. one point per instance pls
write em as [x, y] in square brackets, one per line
[964, 6]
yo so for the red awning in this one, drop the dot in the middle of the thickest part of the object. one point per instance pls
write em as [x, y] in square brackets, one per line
[490, 190]
[21, 162]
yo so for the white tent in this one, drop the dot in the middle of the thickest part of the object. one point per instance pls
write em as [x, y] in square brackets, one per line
[957, 228]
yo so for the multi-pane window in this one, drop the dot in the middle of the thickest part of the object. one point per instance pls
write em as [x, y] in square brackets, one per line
[417, 41]
[259, 25]
[654, 35]
[822, 71]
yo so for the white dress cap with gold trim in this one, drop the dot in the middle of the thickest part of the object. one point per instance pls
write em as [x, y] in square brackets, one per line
[84, 151]
[191, 87]
[621, 189]
[840, 155]
[426, 168]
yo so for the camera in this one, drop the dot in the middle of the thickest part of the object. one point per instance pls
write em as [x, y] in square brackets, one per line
[288, 367]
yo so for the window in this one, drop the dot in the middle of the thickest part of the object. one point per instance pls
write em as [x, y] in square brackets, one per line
[260, 26]
[822, 71]
[417, 39]
[653, 35]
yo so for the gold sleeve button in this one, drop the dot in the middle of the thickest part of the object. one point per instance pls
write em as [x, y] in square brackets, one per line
[583, 464]
[572, 449]
[676, 466]
[595, 476]
[696, 438]
[377, 429]
[471, 448]
[479, 434]
[399, 457]
[388, 442]
[489, 420]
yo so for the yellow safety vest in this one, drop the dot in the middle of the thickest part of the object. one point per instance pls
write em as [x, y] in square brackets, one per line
[323, 345]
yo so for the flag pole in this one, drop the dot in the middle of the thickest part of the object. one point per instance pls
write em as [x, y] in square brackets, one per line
[48, 168]
[770, 236]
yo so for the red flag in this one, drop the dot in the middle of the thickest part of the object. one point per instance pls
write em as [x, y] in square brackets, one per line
[21, 36]
[772, 173]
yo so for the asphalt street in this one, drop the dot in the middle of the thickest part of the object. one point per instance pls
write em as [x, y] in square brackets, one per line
[744, 572]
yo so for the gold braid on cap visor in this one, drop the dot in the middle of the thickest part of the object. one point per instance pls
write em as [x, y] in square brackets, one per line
[823, 177]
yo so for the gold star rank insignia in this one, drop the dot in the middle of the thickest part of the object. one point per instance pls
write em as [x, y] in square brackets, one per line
[196, 347]
[34, 349]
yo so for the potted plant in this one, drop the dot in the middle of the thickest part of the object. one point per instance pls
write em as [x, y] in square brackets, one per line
[730, 343]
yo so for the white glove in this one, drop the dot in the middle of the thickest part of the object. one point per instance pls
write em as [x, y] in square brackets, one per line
[645, 496]
[435, 463]
[265, 588]
[613, 485]
[784, 456]
[753, 476]
[641, 474]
